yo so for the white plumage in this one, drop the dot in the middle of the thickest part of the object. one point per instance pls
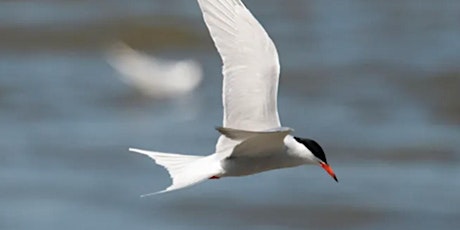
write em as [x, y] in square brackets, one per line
[252, 139]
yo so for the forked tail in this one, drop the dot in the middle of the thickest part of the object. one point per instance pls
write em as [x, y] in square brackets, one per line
[184, 170]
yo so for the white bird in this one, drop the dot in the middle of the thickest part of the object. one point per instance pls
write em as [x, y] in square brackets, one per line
[153, 76]
[252, 139]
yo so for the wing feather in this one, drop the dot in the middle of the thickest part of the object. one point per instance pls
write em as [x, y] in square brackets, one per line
[261, 144]
[250, 67]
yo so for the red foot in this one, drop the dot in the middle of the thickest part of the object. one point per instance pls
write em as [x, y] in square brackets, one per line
[214, 177]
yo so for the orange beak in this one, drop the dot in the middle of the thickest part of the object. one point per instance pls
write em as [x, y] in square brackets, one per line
[329, 170]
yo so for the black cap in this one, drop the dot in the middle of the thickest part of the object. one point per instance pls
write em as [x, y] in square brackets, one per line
[314, 147]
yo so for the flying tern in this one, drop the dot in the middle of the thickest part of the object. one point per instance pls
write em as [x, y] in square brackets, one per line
[252, 139]
[153, 76]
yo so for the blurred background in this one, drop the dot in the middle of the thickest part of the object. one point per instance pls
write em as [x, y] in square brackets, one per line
[377, 83]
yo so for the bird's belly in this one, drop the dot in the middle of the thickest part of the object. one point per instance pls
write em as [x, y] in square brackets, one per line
[242, 166]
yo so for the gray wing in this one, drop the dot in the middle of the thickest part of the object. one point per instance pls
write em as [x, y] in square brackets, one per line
[255, 143]
[261, 144]
[238, 134]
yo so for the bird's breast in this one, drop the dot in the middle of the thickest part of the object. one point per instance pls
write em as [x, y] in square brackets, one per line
[242, 166]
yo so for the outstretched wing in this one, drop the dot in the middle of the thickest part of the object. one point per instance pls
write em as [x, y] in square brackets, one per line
[250, 67]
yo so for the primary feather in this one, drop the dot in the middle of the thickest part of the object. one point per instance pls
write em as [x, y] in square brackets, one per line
[250, 67]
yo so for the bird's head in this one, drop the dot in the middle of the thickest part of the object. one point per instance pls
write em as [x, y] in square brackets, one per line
[318, 153]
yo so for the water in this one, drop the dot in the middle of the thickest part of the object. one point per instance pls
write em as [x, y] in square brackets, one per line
[377, 83]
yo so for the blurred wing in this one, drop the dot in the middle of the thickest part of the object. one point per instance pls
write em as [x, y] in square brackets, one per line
[153, 76]
[250, 67]
[134, 67]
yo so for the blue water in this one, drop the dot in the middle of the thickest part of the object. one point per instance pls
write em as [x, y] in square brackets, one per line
[376, 83]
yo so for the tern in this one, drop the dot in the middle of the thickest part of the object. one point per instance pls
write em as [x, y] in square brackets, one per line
[152, 76]
[252, 139]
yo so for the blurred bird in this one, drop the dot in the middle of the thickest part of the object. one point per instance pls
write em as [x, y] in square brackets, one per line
[152, 76]
[252, 139]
